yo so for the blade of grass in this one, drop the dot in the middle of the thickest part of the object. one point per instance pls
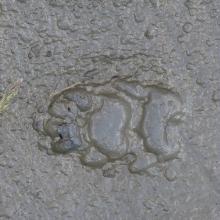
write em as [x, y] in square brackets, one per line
[8, 96]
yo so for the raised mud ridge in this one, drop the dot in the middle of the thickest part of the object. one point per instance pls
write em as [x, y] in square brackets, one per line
[118, 120]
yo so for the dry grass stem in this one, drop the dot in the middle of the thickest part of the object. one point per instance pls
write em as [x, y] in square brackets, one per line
[8, 96]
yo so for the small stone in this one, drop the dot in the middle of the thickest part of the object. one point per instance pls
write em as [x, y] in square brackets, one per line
[187, 27]
[170, 174]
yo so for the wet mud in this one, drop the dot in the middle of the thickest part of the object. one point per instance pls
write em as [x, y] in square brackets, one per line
[107, 121]
[117, 116]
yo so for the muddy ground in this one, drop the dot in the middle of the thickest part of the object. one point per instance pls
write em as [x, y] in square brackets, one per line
[52, 44]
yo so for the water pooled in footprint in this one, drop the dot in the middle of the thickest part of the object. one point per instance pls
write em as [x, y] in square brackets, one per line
[106, 121]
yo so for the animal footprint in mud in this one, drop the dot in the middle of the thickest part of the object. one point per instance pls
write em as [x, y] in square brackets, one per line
[115, 120]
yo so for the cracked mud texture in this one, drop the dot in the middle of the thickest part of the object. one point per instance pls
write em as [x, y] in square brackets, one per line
[55, 44]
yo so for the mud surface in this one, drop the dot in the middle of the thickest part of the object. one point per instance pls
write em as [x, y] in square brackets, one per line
[111, 120]
[118, 113]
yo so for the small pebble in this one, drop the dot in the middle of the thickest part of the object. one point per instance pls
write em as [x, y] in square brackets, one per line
[187, 27]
